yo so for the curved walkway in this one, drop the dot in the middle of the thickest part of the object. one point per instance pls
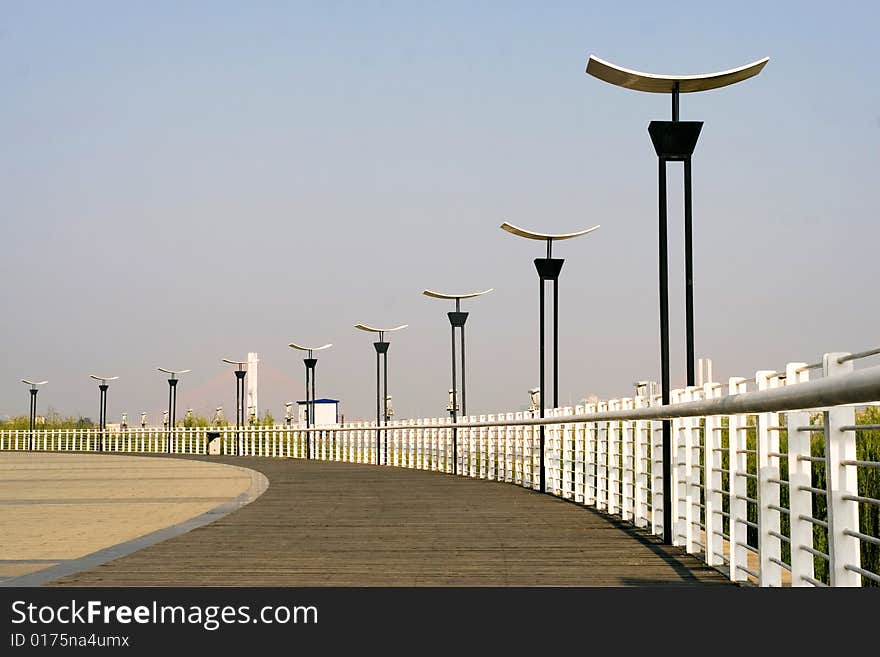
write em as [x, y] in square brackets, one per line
[61, 513]
[343, 524]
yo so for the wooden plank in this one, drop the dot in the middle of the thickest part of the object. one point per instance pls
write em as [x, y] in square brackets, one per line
[344, 524]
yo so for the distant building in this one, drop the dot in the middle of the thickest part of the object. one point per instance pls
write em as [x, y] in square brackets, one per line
[326, 412]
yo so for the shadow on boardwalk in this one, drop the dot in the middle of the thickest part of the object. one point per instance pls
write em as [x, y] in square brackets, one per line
[343, 524]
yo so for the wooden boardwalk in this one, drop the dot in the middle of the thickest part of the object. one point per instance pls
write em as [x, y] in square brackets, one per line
[343, 524]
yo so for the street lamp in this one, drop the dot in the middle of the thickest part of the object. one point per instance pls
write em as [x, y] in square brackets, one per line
[240, 373]
[172, 402]
[102, 414]
[548, 270]
[33, 413]
[310, 363]
[457, 319]
[674, 141]
[381, 352]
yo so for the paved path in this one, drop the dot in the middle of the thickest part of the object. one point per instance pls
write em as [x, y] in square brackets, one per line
[56, 508]
[341, 524]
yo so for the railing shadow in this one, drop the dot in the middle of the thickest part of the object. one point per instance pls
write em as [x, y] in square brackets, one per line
[687, 566]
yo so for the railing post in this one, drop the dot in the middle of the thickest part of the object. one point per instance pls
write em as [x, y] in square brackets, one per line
[657, 501]
[714, 521]
[800, 479]
[481, 465]
[591, 472]
[551, 454]
[518, 451]
[691, 479]
[567, 456]
[421, 457]
[841, 483]
[627, 458]
[641, 456]
[613, 460]
[679, 479]
[492, 450]
[737, 463]
[602, 487]
[530, 472]
[433, 447]
[769, 544]
[508, 449]
[579, 430]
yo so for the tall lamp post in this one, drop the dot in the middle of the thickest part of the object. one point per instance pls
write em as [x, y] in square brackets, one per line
[457, 320]
[33, 414]
[240, 373]
[172, 402]
[674, 141]
[310, 363]
[102, 412]
[381, 406]
[548, 270]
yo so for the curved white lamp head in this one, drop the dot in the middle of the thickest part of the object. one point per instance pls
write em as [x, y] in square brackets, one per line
[234, 362]
[444, 295]
[103, 379]
[34, 383]
[532, 235]
[373, 329]
[173, 372]
[658, 84]
[293, 345]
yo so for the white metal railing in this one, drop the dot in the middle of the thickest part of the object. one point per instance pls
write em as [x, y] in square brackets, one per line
[764, 483]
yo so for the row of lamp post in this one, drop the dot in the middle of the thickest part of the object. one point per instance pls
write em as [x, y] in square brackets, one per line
[673, 141]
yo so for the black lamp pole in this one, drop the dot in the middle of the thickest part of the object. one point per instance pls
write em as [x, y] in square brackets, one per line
[172, 404]
[674, 141]
[33, 410]
[102, 408]
[457, 320]
[381, 374]
[240, 373]
[103, 414]
[310, 362]
[381, 400]
[172, 410]
[310, 398]
[548, 270]
[33, 416]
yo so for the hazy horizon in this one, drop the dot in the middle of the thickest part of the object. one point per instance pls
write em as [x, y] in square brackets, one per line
[184, 183]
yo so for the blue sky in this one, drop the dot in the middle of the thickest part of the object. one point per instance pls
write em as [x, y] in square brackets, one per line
[188, 181]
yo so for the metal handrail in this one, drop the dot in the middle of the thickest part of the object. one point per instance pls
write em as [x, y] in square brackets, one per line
[859, 387]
